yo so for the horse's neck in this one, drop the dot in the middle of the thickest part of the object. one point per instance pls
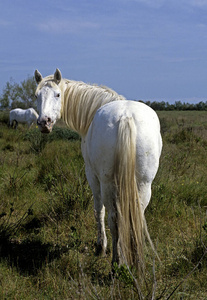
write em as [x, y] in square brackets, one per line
[80, 104]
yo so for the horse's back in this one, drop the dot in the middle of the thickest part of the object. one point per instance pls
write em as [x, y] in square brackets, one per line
[23, 115]
[99, 145]
[31, 113]
[17, 114]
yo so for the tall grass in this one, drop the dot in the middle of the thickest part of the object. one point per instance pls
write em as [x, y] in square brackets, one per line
[48, 231]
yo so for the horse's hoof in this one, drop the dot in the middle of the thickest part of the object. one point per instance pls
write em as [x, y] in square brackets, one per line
[100, 251]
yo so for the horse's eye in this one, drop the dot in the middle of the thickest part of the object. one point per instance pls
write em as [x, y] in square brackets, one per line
[58, 95]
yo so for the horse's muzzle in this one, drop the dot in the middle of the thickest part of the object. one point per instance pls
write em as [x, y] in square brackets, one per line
[45, 124]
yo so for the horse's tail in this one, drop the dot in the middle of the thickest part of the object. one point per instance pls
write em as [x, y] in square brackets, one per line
[130, 217]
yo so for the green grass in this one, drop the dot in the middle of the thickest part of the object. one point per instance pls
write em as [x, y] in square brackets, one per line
[48, 231]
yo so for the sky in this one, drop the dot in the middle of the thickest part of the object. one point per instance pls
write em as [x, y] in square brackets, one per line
[143, 49]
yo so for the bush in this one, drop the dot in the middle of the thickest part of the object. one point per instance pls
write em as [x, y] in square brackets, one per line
[4, 117]
[39, 140]
[63, 134]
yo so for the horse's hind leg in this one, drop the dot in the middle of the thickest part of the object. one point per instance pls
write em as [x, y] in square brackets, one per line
[11, 123]
[16, 124]
[99, 213]
[144, 194]
[108, 198]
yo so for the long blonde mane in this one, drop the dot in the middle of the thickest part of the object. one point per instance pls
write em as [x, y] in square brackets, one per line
[81, 101]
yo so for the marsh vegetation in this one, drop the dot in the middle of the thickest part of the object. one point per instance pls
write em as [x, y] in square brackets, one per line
[48, 229]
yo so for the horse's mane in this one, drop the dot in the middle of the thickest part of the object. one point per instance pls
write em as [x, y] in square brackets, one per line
[81, 101]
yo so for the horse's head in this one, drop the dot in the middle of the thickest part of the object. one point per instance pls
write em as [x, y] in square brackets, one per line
[48, 94]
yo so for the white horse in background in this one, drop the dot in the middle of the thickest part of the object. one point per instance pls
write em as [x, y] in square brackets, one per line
[19, 115]
[121, 145]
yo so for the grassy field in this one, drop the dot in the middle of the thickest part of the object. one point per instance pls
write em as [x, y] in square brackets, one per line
[48, 231]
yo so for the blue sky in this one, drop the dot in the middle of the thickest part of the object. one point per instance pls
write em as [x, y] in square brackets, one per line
[143, 49]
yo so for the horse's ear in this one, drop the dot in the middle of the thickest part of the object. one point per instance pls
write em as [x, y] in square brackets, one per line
[57, 76]
[38, 76]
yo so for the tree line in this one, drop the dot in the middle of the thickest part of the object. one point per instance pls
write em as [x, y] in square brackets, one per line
[178, 105]
[23, 96]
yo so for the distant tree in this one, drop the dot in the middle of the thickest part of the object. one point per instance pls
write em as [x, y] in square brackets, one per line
[201, 106]
[178, 105]
[169, 106]
[19, 95]
[8, 94]
[157, 105]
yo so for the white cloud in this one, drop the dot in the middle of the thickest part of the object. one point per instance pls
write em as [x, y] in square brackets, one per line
[190, 3]
[152, 3]
[199, 3]
[64, 26]
[4, 23]
[174, 3]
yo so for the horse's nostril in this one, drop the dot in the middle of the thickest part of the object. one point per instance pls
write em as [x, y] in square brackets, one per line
[44, 122]
[41, 122]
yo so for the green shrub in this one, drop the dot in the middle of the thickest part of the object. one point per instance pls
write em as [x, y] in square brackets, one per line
[4, 117]
[63, 134]
[38, 140]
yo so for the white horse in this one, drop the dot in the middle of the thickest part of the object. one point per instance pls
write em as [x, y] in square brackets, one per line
[19, 115]
[121, 145]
